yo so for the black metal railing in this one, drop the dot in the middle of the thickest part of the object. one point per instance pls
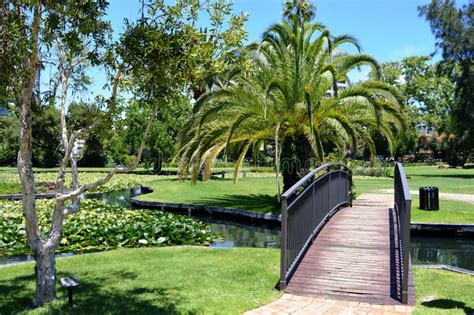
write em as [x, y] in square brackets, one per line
[306, 207]
[403, 210]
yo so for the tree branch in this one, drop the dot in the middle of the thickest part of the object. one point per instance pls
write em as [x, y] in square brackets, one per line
[118, 169]
[25, 167]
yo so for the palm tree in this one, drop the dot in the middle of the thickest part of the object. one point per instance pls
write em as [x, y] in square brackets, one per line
[291, 93]
[301, 10]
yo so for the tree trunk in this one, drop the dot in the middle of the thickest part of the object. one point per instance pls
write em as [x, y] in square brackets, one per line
[158, 165]
[297, 158]
[45, 273]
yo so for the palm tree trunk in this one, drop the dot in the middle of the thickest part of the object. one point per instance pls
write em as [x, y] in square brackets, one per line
[277, 161]
[297, 159]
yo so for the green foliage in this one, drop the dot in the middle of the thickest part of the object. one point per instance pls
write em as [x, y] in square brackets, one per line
[13, 48]
[453, 28]
[291, 92]
[430, 97]
[372, 171]
[101, 227]
[162, 136]
[46, 131]
[9, 130]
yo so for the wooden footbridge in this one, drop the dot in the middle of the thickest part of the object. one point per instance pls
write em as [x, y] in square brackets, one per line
[335, 249]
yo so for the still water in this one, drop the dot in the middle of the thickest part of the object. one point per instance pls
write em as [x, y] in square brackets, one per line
[458, 252]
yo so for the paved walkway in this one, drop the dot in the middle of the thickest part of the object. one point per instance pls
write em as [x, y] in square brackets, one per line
[292, 304]
[443, 195]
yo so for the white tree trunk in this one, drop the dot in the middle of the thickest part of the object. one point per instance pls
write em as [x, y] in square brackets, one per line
[45, 274]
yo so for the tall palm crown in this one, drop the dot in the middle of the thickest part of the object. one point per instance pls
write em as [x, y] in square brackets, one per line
[291, 91]
[302, 10]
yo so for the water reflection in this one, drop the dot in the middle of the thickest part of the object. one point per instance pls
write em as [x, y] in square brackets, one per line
[244, 235]
[458, 252]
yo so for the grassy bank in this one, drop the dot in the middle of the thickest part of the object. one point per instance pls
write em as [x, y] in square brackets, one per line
[253, 194]
[459, 181]
[450, 212]
[443, 292]
[152, 280]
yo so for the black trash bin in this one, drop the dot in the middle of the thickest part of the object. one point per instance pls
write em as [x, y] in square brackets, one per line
[429, 198]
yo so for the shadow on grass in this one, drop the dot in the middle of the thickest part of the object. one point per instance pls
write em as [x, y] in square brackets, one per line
[94, 297]
[448, 304]
[254, 202]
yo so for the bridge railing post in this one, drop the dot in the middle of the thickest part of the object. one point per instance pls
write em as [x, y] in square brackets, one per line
[284, 242]
[403, 210]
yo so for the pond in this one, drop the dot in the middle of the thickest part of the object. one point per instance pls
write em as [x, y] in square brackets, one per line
[234, 234]
[458, 252]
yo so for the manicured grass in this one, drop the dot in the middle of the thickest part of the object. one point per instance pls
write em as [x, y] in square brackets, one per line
[450, 212]
[452, 180]
[443, 292]
[153, 281]
[448, 180]
[253, 194]
[258, 194]
[366, 184]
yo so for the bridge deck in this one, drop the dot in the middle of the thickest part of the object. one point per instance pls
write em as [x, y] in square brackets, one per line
[355, 256]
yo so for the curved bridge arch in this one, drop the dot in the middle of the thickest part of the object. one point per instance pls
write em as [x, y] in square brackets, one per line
[360, 253]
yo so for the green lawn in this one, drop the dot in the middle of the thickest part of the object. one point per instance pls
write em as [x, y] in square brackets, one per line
[154, 280]
[258, 194]
[252, 193]
[450, 212]
[448, 180]
[194, 281]
[443, 292]
[366, 184]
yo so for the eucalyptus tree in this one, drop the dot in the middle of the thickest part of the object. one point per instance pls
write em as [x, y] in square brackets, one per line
[63, 35]
[291, 92]
[453, 28]
[430, 96]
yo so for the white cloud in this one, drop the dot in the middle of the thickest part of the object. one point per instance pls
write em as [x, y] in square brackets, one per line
[410, 50]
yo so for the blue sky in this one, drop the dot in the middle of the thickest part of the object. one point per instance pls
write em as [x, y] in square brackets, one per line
[387, 29]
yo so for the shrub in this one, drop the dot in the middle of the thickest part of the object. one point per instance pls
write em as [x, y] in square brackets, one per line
[371, 171]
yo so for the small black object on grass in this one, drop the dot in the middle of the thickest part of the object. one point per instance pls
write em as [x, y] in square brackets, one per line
[69, 283]
[429, 198]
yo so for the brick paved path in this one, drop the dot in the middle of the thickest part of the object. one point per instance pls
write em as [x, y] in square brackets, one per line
[292, 304]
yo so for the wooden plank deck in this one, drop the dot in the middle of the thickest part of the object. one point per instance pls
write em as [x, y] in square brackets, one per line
[355, 257]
